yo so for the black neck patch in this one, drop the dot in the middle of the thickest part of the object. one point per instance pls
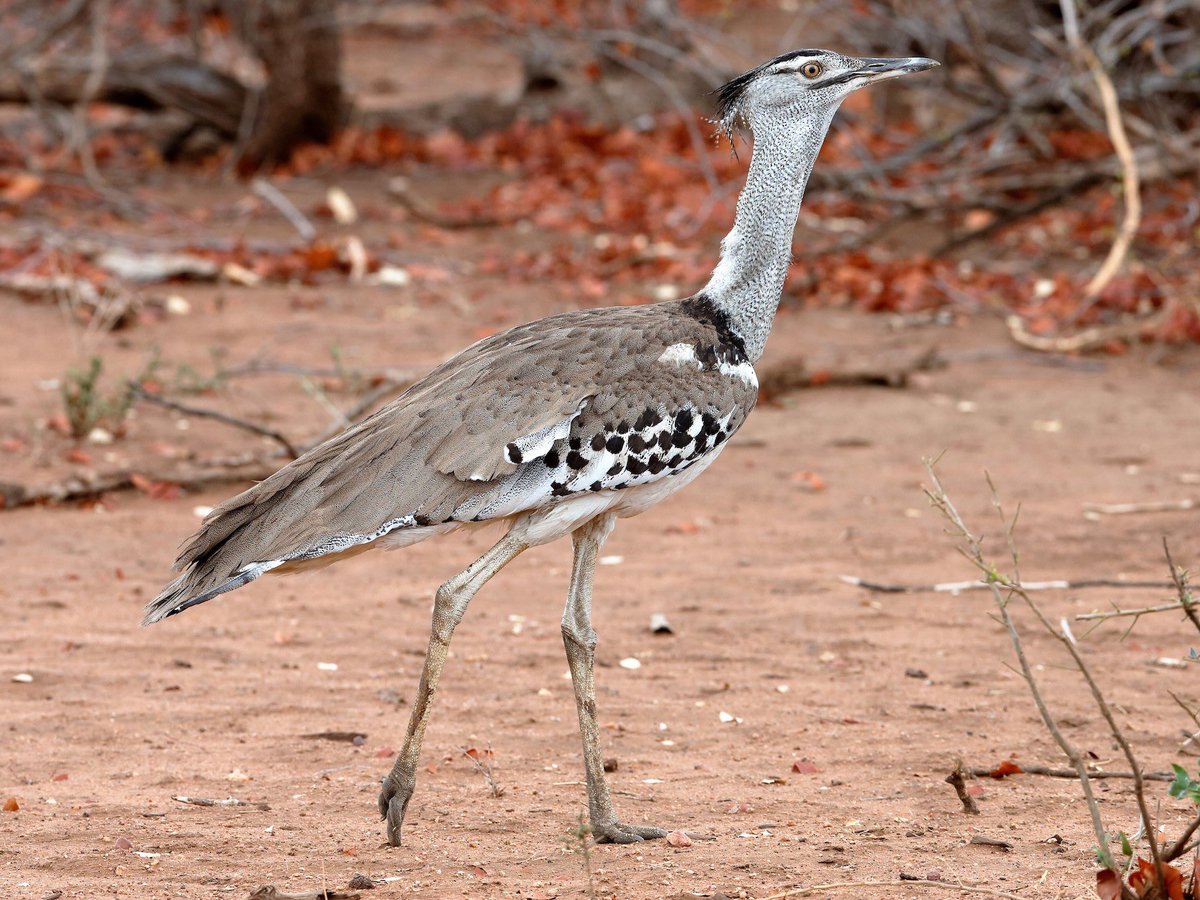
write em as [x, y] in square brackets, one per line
[729, 346]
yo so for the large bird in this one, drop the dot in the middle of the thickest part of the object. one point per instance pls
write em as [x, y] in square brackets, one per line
[557, 427]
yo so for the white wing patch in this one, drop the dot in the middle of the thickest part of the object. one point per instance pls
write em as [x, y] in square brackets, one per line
[685, 355]
[743, 371]
[680, 355]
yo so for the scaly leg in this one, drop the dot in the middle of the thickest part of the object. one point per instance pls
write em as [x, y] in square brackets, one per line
[580, 641]
[448, 608]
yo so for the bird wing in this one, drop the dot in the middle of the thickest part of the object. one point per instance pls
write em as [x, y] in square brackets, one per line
[444, 439]
[449, 448]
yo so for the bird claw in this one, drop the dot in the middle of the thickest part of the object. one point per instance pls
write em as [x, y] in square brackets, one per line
[616, 833]
[393, 803]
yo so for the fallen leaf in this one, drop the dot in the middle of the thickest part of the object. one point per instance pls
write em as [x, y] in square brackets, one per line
[1145, 881]
[1008, 767]
[21, 187]
[11, 805]
[809, 481]
[477, 754]
[319, 256]
[1108, 885]
[155, 490]
[804, 767]
[678, 839]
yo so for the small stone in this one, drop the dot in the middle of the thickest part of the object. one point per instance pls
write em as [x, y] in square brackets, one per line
[678, 839]
[123, 844]
[660, 625]
[915, 673]
[1170, 662]
[177, 306]
[341, 206]
[327, 666]
[23, 678]
[610, 764]
[391, 276]
[630, 662]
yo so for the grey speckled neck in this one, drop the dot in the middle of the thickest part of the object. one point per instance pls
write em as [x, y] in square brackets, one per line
[748, 280]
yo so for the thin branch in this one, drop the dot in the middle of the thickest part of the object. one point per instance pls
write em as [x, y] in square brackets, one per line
[1049, 772]
[304, 227]
[1124, 509]
[1122, 613]
[893, 885]
[1120, 141]
[1179, 576]
[941, 501]
[159, 400]
[957, 587]
[1180, 845]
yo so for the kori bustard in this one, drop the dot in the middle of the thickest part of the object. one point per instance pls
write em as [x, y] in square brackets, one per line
[560, 426]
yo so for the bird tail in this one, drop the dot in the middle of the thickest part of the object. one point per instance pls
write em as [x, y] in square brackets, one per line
[195, 586]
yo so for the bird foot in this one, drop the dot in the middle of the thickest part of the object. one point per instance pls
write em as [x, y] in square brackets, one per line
[393, 803]
[616, 833]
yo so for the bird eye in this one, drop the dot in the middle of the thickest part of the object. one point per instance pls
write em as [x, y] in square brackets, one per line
[812, 69]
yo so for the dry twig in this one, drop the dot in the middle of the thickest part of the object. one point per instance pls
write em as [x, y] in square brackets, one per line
[892, 885]
[1153, 506]
[1003, 589]
[1120, 141]
[228, 801]
[1049, 772]
[957, 779]
[159, 400]
[957, 587]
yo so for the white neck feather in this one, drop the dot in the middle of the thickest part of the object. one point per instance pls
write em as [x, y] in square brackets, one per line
[748, 280]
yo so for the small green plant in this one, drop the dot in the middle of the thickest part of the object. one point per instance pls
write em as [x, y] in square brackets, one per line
[87, 406]
[1184, 786]
[579, 839]
[189, 380]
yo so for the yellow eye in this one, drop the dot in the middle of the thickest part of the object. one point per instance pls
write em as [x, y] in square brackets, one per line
[812, 69]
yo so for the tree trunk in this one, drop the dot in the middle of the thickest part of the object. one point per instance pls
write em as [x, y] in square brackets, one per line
[299, 44]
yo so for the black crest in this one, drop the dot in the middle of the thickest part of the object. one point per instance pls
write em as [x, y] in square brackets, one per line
[730, 94]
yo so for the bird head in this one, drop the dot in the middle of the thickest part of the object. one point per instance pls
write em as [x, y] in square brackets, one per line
[804, 83]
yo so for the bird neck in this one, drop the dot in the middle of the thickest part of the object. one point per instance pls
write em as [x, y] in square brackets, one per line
[748, 280]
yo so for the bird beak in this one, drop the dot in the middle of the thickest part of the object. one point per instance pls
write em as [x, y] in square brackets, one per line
[878, 69]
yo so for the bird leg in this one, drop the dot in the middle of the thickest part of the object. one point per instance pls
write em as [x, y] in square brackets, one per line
[580, 642]
[448, 608]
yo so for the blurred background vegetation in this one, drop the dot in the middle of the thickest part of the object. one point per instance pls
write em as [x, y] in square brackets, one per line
[1048, 171]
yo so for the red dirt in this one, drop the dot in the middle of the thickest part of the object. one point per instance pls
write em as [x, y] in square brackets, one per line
[118, 720]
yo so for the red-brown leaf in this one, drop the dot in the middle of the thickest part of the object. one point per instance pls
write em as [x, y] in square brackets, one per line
[1145, 882]
[1008, 767]
[1108, 885]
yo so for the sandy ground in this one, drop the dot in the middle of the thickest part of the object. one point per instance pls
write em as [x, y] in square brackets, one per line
[876, 695]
